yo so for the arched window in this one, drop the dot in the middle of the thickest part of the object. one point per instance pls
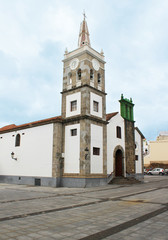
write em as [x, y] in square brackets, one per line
[136, 146]
[98, 78]
[70, 78]
[17, 140]
[91, 74]
[79, 73]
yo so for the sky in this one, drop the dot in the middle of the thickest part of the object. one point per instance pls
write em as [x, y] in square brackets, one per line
[133, 35]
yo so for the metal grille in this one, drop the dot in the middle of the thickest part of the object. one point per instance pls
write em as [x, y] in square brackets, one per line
[37, 182]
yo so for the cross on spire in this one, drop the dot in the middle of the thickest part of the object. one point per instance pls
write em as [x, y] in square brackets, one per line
[84, 15]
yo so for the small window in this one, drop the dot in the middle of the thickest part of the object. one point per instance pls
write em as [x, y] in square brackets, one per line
[118, 129]
[136, 157]
[91, 74]
[73, 105]
[79, 73]
[96, 151]
[73, 132]
[98, 78]
[17, 140]
[95, 106]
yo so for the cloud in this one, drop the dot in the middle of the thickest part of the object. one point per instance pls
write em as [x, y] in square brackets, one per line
[34, 35]
[138, 62]
[8, 66]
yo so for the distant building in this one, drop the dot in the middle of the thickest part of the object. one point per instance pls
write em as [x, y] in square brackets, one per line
[145, 146]
[157, 153]
[84, 146]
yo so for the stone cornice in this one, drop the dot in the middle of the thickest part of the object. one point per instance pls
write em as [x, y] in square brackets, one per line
[85, 85]
[80, 51]
[81, 117]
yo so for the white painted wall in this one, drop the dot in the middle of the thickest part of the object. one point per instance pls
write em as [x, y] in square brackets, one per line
[72, 150]
[34, 155]
[113, 141]
[97, 98]
[138, 163]
[96, 141]
[69, 99]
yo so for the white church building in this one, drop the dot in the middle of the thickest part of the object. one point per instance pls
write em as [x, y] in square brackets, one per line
[82, 147]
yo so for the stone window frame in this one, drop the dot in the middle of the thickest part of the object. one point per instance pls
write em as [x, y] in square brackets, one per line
[73, 132]
[95, 106]
[69, 78]
[79, 74]
[73, 105]
[99, 78]
[91, 75]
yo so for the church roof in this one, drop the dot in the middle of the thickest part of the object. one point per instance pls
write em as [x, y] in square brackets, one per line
[13, 127]
[110, 115]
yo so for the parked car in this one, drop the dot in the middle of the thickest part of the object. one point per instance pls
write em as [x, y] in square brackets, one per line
[146, 170]
[156, 171]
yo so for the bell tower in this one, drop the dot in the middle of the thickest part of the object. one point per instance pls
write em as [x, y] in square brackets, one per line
[126, 108]
[84, 114]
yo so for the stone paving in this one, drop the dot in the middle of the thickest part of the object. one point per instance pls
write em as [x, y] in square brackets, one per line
[138, 211]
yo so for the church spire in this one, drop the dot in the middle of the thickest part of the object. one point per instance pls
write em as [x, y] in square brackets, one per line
[84, 33]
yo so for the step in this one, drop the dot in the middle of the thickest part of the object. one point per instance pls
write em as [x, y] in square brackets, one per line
[123, 180]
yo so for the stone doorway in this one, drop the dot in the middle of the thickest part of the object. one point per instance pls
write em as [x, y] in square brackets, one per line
[118, 163]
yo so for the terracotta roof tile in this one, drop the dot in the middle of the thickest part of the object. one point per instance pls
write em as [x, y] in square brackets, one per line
[7, 127]
[110, 115]
[43, 121]
[31, 124]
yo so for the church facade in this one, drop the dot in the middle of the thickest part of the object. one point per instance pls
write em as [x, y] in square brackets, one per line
[84, 146]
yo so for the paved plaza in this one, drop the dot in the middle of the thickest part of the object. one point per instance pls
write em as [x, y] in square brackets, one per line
[126, 212]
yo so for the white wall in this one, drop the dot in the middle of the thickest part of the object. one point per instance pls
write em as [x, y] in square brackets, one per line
[113, 141]
[96, 141]
[69, 99]
[34, 155]
[138, 163]
[97, 98]
[72, 150]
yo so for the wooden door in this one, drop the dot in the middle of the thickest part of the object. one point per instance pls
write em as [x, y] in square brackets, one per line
[118, 163]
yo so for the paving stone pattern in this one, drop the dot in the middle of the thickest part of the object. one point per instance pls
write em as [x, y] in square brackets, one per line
[126, 212]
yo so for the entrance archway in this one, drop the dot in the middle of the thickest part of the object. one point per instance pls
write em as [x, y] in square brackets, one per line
[118, 163]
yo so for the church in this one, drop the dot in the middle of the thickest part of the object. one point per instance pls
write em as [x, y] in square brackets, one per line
[84, 146]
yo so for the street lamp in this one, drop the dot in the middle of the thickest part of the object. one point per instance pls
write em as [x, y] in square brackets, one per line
[12, 156]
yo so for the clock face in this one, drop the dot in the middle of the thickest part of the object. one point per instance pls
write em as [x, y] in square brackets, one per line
[95, 64]
[74, 63]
